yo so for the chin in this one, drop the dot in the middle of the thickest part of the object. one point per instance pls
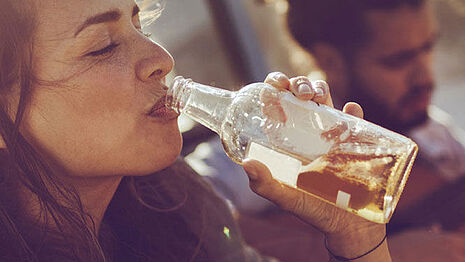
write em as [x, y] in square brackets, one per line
[168, 160]
[413, 122]
[159, 161]
[418, 121]
[154, 165]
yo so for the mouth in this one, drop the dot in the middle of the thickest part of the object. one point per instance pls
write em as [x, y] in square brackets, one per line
[421, 101]
[160, 111]
[418, 98]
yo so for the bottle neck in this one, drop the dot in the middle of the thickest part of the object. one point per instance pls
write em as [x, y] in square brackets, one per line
[204, 104]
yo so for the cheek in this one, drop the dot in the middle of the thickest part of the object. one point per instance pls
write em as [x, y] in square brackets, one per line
[158, 146]
[97, 126]
[78, 140]
[387, 85]
[110, 143]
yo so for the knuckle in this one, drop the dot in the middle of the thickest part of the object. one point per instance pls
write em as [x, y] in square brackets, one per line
[301, 80]
[276, 76]
[260, 189]
[255, 188]
[297, 205]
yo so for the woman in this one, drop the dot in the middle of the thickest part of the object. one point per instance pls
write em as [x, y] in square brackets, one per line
[81, 128]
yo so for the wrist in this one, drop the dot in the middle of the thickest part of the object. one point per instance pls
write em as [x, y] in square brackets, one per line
[368, 243]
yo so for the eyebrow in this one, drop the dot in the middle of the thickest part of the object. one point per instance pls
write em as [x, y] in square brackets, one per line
[409, 54]
[110, 16]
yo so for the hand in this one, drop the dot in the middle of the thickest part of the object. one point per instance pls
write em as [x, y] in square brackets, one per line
[348, 234]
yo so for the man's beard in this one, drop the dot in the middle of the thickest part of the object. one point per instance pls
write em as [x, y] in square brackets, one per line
[376, 111]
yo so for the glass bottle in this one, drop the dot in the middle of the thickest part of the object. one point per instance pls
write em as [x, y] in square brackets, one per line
[338, 158]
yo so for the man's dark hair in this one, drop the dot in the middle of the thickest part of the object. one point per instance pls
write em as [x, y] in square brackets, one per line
[340, 23]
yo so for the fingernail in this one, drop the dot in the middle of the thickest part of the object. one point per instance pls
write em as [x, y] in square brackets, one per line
[304, 89]
[278, 76]
[320, 87]
[319, 92]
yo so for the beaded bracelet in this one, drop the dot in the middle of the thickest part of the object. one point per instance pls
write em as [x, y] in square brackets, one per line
[340, 258]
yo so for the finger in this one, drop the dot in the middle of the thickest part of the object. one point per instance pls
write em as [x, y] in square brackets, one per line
[271, 106]
[354, 109]
[278, 80]
[302, 88]
[322, 93]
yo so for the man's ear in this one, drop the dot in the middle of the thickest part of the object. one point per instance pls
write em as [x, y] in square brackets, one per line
[329, 58]
[336, 67]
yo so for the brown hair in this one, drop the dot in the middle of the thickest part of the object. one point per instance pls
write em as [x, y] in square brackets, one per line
[340, 23]
[24, 167]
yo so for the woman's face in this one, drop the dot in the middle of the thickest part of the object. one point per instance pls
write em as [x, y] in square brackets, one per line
[99, 77]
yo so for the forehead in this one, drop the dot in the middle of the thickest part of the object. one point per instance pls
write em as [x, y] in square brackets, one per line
[61, 16]
[402, 28]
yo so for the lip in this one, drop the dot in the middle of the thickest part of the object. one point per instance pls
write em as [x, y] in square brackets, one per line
[160, 111]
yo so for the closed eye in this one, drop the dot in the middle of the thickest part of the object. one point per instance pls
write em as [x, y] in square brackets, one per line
[108, 49]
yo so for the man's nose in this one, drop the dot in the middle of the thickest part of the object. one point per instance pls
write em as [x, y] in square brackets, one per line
[422, 71]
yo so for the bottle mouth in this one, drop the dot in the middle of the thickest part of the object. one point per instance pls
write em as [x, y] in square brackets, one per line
[176, 95]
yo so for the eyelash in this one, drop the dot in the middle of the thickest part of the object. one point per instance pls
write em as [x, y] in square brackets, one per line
[108, 49]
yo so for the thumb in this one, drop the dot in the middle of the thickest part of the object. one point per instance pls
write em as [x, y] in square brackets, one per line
[354, 109]
[260, 178]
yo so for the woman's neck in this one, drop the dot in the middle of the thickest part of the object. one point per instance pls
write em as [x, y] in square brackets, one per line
[96, 194]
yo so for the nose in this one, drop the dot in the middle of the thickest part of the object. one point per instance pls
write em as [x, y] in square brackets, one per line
[422, 73]
[156, 65]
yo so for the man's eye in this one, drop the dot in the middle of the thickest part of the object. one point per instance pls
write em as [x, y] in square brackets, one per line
[398, 61]
[395, 63]
[108, 49]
